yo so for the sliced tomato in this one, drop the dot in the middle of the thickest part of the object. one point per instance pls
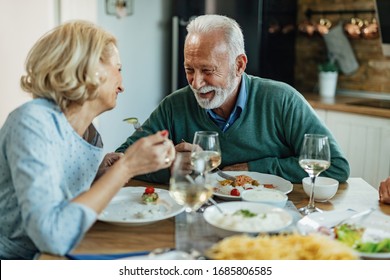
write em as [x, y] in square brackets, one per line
[149, 189]
[269, 186]
[235, 192]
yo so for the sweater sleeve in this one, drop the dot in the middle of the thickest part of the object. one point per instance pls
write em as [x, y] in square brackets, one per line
[296, 119]
[289, 168]
[157, 121]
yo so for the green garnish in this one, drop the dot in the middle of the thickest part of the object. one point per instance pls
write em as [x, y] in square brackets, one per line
[131, 120]
[352, 236]
[244, 212]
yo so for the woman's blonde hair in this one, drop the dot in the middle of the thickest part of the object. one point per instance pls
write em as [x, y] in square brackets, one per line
[62, 65]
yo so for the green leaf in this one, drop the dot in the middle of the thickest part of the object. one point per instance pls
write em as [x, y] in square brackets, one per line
[328, 66]
[246, 213]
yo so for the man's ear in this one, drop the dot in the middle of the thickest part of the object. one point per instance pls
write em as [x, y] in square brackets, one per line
[241, 62]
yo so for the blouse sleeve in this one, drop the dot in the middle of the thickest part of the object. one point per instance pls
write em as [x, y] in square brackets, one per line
[51, 220]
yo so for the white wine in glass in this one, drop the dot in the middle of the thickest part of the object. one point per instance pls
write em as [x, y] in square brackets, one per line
[191, 189]
[207, 150]
[190, 194]
[314, 158]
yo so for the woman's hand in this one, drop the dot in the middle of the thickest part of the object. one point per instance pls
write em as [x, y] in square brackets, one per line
[149, 154]
[384, 191]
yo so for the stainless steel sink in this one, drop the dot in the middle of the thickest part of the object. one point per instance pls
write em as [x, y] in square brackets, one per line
[376, 103]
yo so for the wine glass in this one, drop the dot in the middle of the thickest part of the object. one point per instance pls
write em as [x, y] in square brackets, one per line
[314, 158]
[189, 187]
[206, 151]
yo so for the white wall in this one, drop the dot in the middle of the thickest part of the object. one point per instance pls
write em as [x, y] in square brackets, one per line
[144, 46]
[22, 22]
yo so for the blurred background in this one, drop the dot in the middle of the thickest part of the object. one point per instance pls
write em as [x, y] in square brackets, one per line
[151, 33]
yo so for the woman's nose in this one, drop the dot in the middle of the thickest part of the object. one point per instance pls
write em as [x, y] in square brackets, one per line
[121, 88]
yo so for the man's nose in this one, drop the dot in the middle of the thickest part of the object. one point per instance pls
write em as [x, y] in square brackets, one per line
[197, 80]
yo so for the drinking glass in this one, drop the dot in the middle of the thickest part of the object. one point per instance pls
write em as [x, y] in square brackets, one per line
[189, 187]
[314, 158]
[206, 151]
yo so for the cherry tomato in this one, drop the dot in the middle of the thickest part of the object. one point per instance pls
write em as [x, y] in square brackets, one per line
[235, 192]
[149, 190]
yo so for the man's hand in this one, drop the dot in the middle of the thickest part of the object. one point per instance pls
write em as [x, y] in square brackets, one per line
[108, 160]
[237, 167]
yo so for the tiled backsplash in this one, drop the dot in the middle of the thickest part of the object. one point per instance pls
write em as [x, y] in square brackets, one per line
[373, 74]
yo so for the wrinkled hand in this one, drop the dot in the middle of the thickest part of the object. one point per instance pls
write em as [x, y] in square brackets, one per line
[185, 149]
[149, 154]
[108, 160]
[384, 191]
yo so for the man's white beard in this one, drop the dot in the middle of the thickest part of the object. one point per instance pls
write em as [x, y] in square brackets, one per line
[220, 96]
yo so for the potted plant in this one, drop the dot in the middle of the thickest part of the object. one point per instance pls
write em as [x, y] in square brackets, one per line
[327, 78]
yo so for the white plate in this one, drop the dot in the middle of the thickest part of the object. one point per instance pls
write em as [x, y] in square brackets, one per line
[313, 221]
[379, 221]
[279, 183]
[278, 219]
[329, 219]
[374, 256]
[126, 208]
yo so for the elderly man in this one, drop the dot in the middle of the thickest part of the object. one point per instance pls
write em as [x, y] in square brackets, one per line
[261, 122]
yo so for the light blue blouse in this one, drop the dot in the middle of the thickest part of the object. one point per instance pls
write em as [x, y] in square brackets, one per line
[44, 163]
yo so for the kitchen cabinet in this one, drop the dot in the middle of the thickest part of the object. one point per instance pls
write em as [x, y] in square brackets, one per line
[365, 141]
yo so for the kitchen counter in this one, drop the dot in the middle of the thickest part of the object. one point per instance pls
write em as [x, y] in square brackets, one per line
[348, 104]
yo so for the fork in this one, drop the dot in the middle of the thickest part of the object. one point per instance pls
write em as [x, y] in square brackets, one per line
[359, 216]
[134, 121]
[225, 175]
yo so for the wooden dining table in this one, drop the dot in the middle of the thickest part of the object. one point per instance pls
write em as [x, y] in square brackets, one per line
[107, 238]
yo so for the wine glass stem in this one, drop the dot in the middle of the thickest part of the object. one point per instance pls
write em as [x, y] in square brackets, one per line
[190, 216]
[311, 200]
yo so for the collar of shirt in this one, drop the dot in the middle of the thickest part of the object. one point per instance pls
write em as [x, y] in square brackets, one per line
[238, 108]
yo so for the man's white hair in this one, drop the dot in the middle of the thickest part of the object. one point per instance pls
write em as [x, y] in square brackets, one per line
[230, 28]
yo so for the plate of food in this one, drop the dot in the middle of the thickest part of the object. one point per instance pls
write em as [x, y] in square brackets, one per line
[369, 235]
[137, 206]
[227, 190]
[280, 247]
[241, 217]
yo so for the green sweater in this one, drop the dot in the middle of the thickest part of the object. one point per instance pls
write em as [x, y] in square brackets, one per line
[268, 134]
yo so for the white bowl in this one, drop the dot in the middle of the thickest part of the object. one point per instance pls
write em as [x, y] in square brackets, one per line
[325, 188]
[268, 196]
[268, 219]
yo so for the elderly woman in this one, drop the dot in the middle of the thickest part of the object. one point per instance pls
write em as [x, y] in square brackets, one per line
[49, 196]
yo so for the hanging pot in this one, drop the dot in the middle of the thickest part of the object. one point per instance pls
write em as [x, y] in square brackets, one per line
[307, 27]
[324, 26]
[370, 30]
[353, 28]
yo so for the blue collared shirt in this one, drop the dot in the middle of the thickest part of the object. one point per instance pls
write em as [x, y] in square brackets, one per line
[238, 108]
